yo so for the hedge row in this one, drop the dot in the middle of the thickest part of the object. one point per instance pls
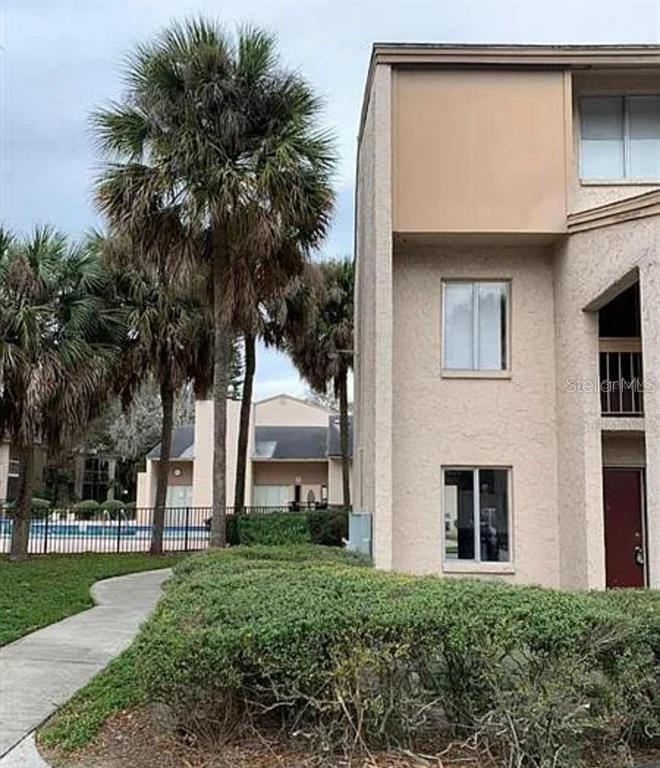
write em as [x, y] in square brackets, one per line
[358, 658]
[326, 527]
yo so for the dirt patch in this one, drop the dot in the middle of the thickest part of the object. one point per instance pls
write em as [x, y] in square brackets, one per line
[146, 739]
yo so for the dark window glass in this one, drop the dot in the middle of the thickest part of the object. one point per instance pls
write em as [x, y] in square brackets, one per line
[95, 479]
[459, 514]
[494, 514]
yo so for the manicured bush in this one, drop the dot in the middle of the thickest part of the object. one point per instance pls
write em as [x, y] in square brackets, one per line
[273, 529]
[327, 527]
[114, 509]
[358, 657]
[87, 509]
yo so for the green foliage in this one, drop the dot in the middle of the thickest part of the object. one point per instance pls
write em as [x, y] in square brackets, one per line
[112, 505]
[327, 527]
[86, 509]
[355, 656]
[44, 589]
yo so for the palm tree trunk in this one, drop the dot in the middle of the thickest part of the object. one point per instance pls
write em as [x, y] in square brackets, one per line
[343, 437]
[244, 426]
[20, 530]
[218, 537]
[167, 405]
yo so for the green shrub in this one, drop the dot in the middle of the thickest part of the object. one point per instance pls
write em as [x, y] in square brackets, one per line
[87, 509]
[357, 656]
[327, 527]
[40, 507]
[112, 504]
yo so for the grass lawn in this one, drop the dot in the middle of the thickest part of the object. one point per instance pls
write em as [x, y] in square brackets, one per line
[45, 589]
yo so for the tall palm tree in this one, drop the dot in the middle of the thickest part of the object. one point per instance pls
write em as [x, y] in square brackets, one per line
[58, 349]
[264, 282]
[317, 333]
[213, 126]
[169, 336]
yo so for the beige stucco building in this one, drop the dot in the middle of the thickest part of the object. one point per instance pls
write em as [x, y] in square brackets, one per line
[293, 451]
[507, 389]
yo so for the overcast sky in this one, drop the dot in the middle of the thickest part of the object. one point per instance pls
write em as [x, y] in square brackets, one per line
[61, 58]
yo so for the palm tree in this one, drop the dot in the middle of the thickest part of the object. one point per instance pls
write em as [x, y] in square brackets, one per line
[58, 349]
[265, 282]
[212, 126]
[318, 335]
[168, 335]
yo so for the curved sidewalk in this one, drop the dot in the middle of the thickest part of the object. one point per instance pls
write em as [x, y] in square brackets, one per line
[41, 671]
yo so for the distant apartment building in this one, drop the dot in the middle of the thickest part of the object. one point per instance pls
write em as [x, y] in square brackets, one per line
[294, 458]
[507, 390]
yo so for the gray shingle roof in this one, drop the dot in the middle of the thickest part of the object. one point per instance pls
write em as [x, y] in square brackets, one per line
[290, 442]
[183, 444]
[334, 447]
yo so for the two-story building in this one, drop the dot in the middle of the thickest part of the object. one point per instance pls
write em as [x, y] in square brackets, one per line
[294, 458]
[507, 391]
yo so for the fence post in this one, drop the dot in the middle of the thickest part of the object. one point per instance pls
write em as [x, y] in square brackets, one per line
[185, 534]
[118, 533]
[46, 533]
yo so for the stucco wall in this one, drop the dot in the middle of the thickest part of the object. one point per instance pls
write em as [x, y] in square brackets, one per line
[286, 472]
[372, 446]
[479, 421]
[590, 194]
[4, 470]
[335, 485]
[203, 473]
[479, 150]
[587, 265]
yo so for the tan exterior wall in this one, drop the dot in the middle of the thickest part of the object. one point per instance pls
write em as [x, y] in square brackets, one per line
[146, 486]
[442, 422]
[311, 473]
[203, 473]
[589, 194]
[479, 150]
[335, 482]
[4, 470]
[283, 410]
[372, 450]
[185, 476]
[586, 266]
[623, 449]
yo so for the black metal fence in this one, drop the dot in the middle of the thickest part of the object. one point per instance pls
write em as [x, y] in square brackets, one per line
[75, 530]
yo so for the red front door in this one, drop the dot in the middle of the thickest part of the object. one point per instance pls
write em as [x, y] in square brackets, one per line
[624, 535]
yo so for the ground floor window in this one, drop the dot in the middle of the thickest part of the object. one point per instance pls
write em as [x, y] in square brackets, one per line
[96, 478]
[272, 495]
[476, 514]
[179, 496]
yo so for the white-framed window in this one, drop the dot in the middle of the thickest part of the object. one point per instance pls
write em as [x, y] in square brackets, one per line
[272, 495]
[620, 137]
[477, 514]
[475, 320]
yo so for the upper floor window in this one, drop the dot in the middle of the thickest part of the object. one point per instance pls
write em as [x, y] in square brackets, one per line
[620, 137]
[475, 320]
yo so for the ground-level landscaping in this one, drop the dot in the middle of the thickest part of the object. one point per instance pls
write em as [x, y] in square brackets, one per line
[41, 590]
[304, 652]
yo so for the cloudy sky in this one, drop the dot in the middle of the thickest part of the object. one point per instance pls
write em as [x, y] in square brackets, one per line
[61, 58]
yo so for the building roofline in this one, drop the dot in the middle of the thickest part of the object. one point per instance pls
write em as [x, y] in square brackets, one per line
[295, 399]
[510, 55]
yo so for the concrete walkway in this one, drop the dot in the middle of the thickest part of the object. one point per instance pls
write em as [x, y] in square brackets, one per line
[41, 671]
